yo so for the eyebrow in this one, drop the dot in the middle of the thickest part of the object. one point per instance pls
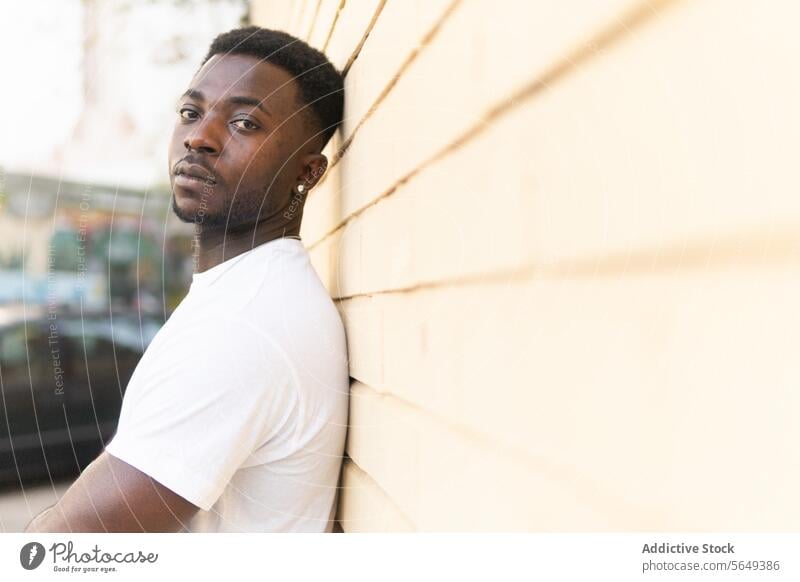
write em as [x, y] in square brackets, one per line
[235, 99]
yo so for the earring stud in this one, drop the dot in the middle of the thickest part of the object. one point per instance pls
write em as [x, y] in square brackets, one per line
[300, 188]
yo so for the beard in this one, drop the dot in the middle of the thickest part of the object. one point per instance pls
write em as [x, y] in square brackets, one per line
[241, 209]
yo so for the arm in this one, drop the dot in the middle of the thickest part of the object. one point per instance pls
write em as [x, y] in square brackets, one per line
[113, 496]
[194, 422]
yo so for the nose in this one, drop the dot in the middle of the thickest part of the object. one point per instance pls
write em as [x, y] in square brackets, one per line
[201, 139]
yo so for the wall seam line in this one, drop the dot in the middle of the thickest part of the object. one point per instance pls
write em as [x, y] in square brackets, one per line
[706, 257]
[356, 51]
[333, 25]
[313, 20]
[349, 460]
[591, 493]
[501, 108]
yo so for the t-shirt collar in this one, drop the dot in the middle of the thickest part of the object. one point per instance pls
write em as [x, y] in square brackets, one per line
[207, 277]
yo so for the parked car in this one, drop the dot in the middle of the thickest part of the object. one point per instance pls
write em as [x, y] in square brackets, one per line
[62, 377]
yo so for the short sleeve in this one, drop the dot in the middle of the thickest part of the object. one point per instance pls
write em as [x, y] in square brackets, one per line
[201, 403]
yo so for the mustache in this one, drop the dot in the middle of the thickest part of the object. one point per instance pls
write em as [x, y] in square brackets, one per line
[194, 160]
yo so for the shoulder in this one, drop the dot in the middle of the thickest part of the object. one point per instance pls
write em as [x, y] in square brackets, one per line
[227, 352]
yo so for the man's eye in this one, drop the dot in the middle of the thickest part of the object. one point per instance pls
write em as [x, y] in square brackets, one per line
[188, 114]
[244, 124]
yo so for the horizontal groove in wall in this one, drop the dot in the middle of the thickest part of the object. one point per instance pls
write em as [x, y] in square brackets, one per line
[578, 486]
[361, 42]
[313, 20]
[467, 431]
[351, 465]
[764, 249]
[610, 35]
[333, 26]
[337, 156]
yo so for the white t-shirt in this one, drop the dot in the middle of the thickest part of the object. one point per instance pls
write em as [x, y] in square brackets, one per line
[239, 404]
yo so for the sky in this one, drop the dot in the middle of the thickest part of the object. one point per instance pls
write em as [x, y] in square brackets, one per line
[41, 94]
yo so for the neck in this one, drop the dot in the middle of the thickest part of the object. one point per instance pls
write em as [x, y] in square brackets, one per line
[216, 245]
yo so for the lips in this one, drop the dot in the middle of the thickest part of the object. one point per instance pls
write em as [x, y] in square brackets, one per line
[195, 171]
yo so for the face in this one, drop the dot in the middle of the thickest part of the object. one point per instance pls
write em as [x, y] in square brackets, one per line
[242, 142]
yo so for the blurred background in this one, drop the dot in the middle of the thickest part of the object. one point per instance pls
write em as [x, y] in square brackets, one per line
[563, 237]
[92, 261]
[86, 122]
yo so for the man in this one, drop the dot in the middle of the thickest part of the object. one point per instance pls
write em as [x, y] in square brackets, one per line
[235, 417]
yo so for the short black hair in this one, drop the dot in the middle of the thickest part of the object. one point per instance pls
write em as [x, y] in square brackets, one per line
[321, 85]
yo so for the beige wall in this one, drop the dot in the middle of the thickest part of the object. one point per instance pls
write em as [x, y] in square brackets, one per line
[564, 241]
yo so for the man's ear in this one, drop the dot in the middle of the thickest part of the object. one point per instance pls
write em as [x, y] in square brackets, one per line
[314, 166]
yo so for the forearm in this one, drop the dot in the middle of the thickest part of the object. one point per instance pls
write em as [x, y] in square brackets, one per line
[112, 496]
[45, 522]
[76, 511]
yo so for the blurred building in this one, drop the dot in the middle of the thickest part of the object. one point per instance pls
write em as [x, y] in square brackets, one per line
[84, 193]
[563, 237]
[71, 242]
